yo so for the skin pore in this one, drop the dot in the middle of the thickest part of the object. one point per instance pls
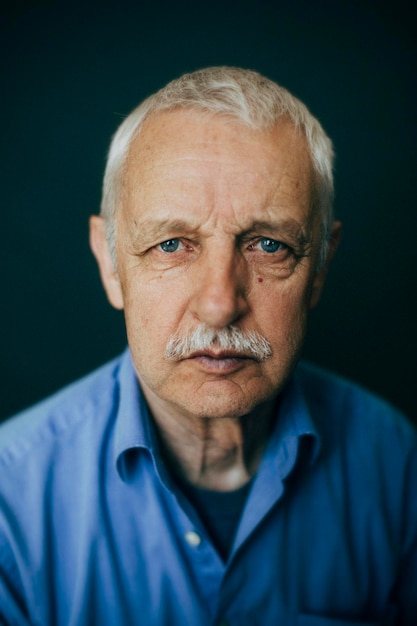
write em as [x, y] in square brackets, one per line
[216, 228]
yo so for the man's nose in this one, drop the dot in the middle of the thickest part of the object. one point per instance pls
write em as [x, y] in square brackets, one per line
[220, 290]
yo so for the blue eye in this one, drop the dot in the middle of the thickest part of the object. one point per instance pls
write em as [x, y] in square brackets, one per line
[270, 245]
[171, 245]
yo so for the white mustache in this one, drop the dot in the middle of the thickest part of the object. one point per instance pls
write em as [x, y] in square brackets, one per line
[231, 339]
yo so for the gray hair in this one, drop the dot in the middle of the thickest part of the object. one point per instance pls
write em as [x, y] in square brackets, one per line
[232, 338]
[242, 95]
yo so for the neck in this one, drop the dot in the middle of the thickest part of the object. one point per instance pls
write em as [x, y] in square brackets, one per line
[221, 454]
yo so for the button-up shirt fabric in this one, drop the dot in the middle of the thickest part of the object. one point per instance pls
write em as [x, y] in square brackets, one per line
[93, 530]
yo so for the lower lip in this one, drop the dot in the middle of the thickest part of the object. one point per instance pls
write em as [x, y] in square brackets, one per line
[226, 365]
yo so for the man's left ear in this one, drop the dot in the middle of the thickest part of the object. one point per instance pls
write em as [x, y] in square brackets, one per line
[320, 277]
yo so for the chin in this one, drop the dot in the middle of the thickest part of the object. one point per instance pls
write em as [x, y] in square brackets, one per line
[224, 405]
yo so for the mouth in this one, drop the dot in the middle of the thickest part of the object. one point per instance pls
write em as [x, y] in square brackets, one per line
[219, 361]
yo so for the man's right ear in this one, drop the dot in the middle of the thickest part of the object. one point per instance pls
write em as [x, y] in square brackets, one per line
[108, 273]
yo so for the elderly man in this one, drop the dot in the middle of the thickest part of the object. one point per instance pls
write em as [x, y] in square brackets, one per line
[206, 477]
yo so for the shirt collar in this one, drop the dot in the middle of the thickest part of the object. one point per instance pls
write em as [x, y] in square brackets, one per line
[294, 418]
[133, 430]
[294, 443]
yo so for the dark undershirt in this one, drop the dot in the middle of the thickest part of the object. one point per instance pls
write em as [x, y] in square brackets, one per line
[220, 512]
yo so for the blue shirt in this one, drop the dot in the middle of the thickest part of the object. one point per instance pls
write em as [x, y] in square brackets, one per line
[93, 531]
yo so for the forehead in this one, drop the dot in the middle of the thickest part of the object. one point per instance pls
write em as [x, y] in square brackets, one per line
[188, 156]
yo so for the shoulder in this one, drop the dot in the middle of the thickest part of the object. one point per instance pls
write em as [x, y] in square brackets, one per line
[339, 405]
[40, 427]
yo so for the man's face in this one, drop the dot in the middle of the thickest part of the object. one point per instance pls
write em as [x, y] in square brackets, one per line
[216, 228]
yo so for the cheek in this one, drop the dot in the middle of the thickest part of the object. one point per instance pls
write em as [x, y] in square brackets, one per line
[281, 315]
[151, 315]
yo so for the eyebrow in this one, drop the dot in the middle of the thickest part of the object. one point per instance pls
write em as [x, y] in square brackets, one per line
[286, 226]
[151, 229]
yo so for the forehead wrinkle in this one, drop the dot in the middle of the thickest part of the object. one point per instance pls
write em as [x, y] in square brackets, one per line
[216, 208]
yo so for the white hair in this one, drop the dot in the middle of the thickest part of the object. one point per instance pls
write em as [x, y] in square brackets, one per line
[242, 95]
[233, 339]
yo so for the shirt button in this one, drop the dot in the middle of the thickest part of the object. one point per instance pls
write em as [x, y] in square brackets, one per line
[192, 538]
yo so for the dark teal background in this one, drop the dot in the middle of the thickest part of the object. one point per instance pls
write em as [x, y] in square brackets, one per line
[71, 71]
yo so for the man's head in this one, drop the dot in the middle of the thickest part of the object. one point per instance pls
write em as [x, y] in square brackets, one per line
[234, 93]
[214, 238]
